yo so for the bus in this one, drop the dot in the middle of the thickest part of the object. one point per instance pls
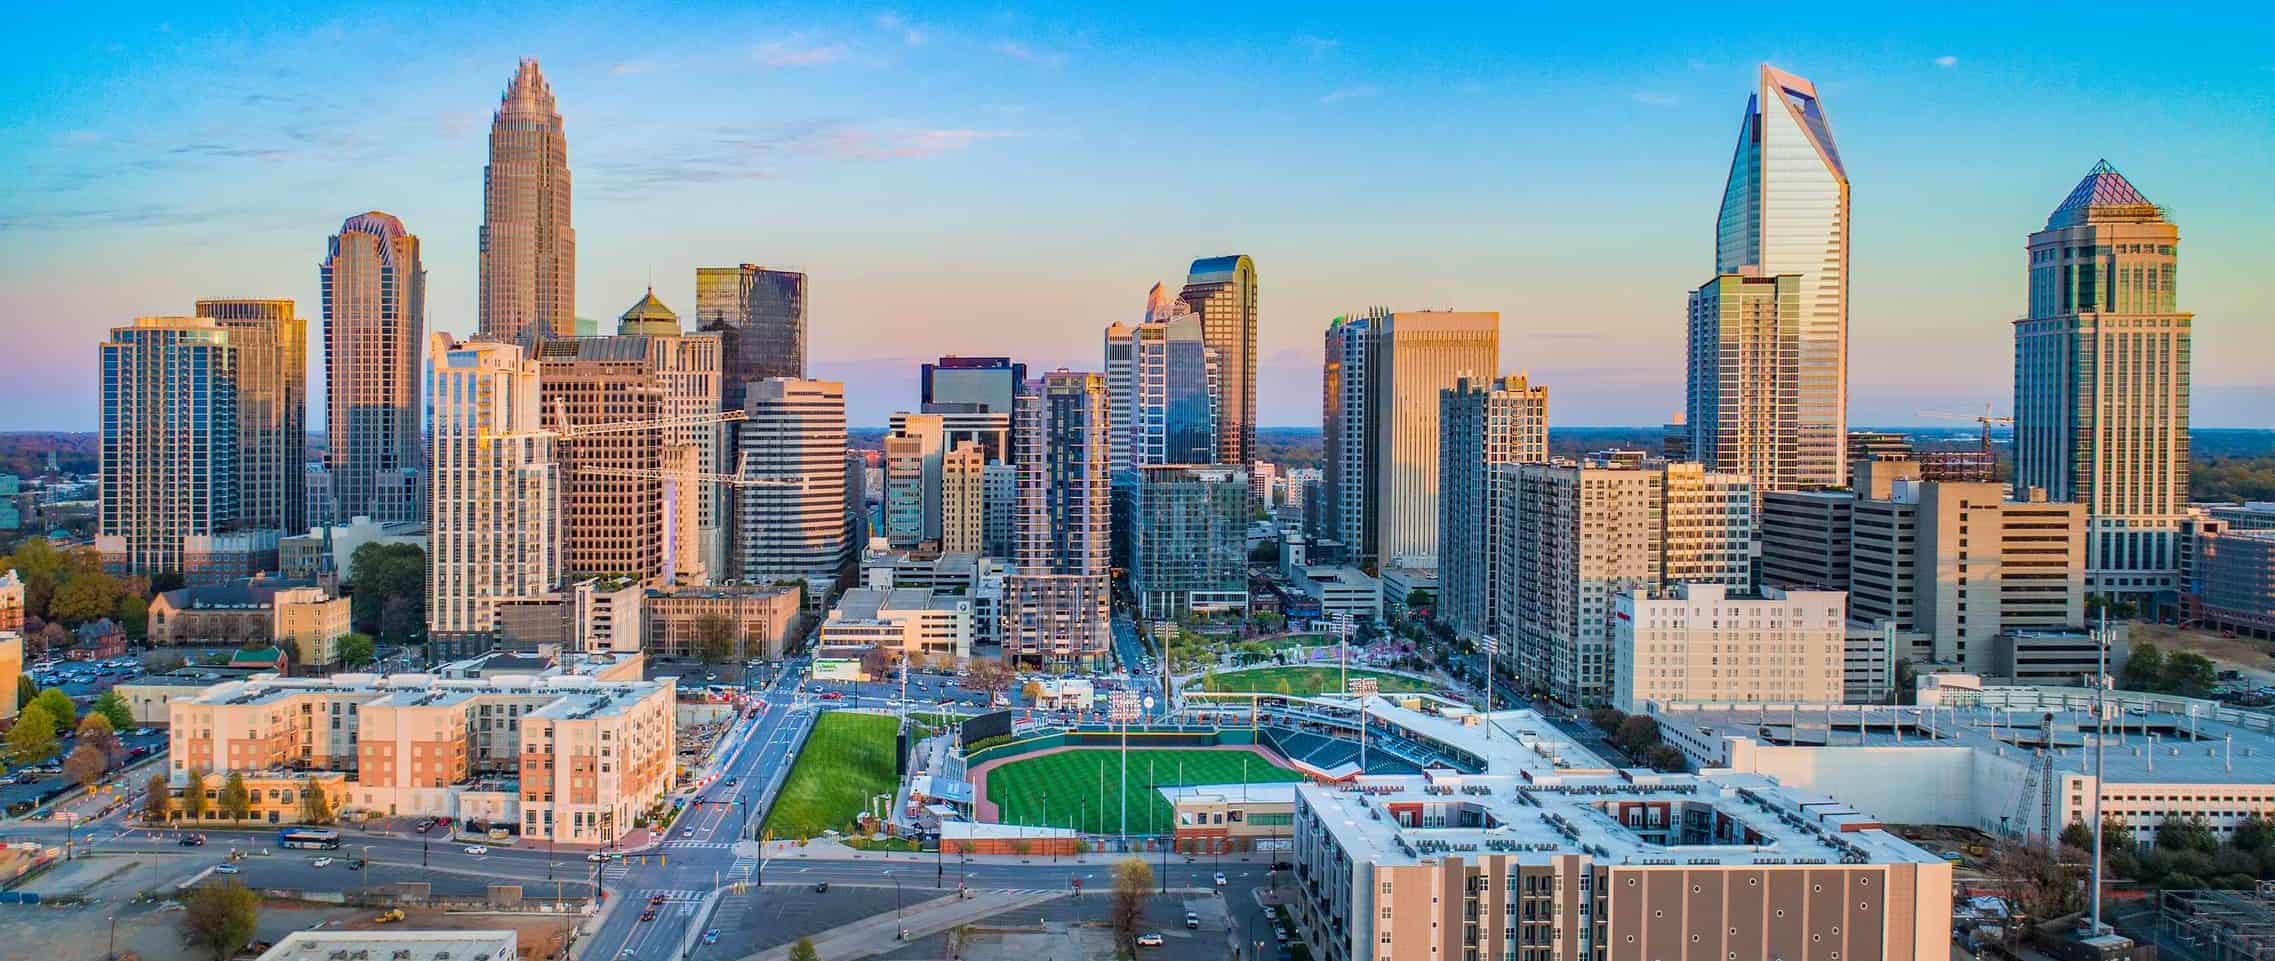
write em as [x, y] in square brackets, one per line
[323, 839]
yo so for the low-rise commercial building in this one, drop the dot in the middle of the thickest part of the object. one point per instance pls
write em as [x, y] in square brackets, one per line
[764, 618]
[222, 615]
[397, 945]
[906, 623]
[309, 623]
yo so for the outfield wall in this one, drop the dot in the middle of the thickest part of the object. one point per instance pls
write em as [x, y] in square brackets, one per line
[1139, 738]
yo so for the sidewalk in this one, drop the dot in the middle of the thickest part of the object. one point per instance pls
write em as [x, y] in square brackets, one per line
[878, 935]
[822, 849]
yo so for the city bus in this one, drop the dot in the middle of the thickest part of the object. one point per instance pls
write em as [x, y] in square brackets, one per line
[312, 838]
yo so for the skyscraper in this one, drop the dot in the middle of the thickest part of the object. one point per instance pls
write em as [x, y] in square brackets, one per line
[1482, 424]
[1055, 604]
[1161, 379]
[912, 455]
[1784, 213]
[962, 503]
[612, 477]
[494, 526]
[1189, 533]
[1346, 418]
[970, 384]
[375, 292]
[169, 455]
[528, 247]
[2101, 378]
[272, 409]
[760, 317]
[1577, 536]
[1222, 290]
[791, 524]
[1417, 355]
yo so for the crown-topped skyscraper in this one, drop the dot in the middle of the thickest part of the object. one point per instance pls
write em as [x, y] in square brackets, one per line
[529, 249]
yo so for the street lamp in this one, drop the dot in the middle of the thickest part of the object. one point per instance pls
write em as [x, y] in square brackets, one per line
[896, 896]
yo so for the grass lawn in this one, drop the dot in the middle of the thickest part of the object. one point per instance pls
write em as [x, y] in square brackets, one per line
[1308, 681]
[847, 760]
[1083, 785]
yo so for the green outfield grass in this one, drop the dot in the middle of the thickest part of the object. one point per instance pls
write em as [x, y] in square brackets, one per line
[847, 760]
[1307, 681]
[1085, 785]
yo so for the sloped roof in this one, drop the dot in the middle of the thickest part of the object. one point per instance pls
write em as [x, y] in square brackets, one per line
[2103, 190]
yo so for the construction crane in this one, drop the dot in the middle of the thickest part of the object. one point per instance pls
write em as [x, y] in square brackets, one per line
[1986, 418]
[567, 431]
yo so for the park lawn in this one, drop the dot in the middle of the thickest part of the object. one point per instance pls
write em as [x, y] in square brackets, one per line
[847, 760]
[1083, 785]
[1308, 681]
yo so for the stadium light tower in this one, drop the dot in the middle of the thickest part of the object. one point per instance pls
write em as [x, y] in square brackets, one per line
[1363, 688]
[1492, 646]
[1121, 708]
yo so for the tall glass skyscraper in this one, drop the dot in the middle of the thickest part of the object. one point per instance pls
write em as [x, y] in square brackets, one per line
[528, 248]
[1780, 413]
[1222, 290]
[2101, 379]
[760, 316]
[272, 409]
[375, 293]
[169, 456]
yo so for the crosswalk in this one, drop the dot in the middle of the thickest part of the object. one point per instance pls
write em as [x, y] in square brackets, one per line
[673, 895]
[698, 845]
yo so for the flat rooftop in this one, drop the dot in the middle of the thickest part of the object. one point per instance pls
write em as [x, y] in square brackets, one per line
[394, 946]
[2141, 747]
[1282, 792]
[566, 696]
[866, 603]
[1626, 817]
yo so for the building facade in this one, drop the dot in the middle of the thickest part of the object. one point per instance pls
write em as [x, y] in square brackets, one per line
[169, 435]
[1346, 514]
[1417, 355]
[759, 314]
[2101, 381]
[494, 524]
[1056, 601]
[764, 619]
[791, 521]
[1785, 214]
[272, 409]
[527, 245]
[907, 623]
[1189, 540]
[1222, 290]
[970, 384]
[1702, 643]
[1482, 424]
[374, 324]
[962, 500]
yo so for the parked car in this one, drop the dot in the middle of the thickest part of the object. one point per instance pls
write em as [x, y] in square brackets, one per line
[1150, 939]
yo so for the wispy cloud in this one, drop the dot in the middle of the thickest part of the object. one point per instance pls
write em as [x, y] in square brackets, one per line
[1656, 98]
[1316, 45]
[1358, 92]
[858, 143]
[796, 54]
[1947, 61]
[630, 67]
[910, 33]
[1022, 52]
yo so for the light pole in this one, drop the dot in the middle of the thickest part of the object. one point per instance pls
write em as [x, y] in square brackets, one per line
[1491, 645]
[1122, 707]
[896, 896]
[1362, 689]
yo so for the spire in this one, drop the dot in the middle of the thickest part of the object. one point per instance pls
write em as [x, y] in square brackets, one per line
[527, 91]
[649, 316]
[2104, 194]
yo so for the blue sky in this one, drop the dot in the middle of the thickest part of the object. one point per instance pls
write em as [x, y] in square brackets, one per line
[989, 179]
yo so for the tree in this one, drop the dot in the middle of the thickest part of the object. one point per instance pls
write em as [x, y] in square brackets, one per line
[157, 800]
[112, 707]
[1666, 757]
[876, 662]
[714, 636]
[96, 731]
[383, 573]
[220, 918]
[85, 597]
[1417, 599]
[2189, 674]
[236, 801]
[804, 951]
[32, 739]
[1125, 910]
[2253, 834]
[1638, 733]
[133, 614]
[355, 648]
[1606, 719]
[2040, 882]
[85, 765]
[988, 675]
[2143, 670]
[53, 638]
[26, 689]
[315, 805]
[193, 795]
[60, 710]
[2186, 834]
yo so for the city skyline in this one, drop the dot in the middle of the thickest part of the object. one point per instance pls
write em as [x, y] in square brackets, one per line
[910, 209]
